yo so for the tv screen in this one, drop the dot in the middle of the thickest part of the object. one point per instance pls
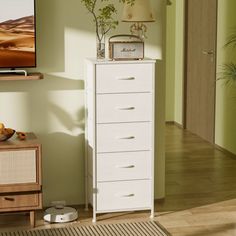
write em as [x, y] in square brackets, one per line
[17, 34]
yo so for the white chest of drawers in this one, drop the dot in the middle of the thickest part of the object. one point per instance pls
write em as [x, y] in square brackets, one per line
[120, 135]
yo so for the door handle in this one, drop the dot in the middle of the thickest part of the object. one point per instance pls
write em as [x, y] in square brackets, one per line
[210, 52]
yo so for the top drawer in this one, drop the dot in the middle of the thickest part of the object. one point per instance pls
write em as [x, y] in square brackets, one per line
[123, 78]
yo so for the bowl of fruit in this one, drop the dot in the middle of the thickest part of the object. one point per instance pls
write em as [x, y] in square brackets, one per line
[5, 133]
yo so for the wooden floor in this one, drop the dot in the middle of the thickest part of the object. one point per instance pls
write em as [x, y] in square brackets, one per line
[200, 187]
[200, 192]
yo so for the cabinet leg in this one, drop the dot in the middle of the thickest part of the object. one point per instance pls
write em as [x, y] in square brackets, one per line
[152, 214]
[94, 218]
[86, 207]
[32, 218]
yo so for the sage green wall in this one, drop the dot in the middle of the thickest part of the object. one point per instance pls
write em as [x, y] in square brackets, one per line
[179, 58]
[170, 61]
[174, 61]
[160, 107]
[225, 126]
[54, 107]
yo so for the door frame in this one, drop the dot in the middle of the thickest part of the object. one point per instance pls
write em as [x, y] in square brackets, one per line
[184, 102]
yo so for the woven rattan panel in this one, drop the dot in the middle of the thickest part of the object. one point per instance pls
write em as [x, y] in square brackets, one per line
[17, 167]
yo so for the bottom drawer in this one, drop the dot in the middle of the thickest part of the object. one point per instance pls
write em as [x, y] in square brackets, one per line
[19, 201]
[124, 195]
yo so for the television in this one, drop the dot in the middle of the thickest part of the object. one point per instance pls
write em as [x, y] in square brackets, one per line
[17, 34]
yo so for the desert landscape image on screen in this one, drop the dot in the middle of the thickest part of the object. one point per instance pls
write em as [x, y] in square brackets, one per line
[17, 33]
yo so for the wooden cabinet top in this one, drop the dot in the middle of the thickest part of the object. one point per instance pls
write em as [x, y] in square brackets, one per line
[30, 141]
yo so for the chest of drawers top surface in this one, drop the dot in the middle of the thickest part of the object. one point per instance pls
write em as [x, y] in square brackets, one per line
[112, 62]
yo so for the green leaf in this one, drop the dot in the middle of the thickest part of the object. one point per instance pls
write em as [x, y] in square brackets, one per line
[231, 41]
[228, 73]
[103, 17]
[106, 12]
[131, 2]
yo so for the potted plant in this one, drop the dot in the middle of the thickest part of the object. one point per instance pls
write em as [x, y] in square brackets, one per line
[103, 16]
[228, 72]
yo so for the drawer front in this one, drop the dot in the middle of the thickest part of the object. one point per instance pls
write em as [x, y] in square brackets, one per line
[124, 107]
[19, 201]
[124, 137]
[124, 195]
[123, 166]
[122, 78]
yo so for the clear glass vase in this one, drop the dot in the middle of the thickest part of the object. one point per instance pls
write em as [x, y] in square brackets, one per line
[101, 48]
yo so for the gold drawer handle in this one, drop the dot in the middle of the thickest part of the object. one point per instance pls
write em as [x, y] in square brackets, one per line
[126, 108]
[126, 167]
[9, 199]
[127, 78]
[127, 195]
[128, 137]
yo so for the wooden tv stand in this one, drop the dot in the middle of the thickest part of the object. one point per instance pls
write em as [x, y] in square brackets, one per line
[20, 176]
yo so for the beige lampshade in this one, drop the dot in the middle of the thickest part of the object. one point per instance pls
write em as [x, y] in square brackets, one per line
[139, 12]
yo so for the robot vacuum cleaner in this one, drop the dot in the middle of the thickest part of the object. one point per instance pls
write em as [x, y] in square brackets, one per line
[60, 214]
